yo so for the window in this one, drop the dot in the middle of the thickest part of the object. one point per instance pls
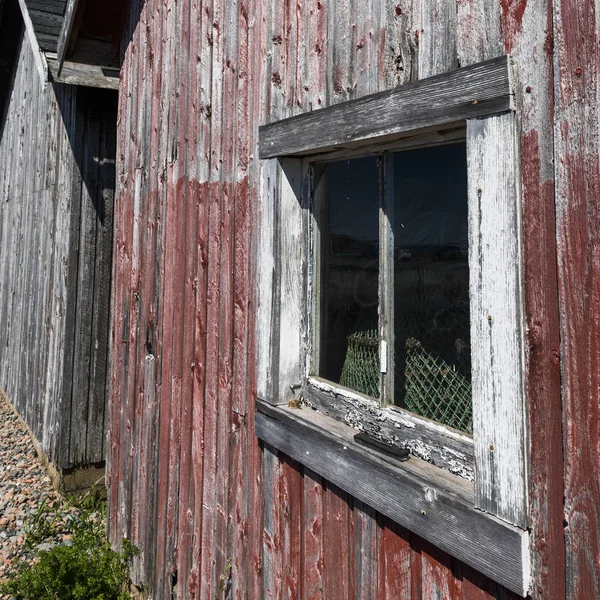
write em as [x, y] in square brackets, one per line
[422, 195]
[389, 300]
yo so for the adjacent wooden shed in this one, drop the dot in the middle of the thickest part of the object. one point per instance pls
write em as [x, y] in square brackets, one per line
[57, 179]
[233, 461]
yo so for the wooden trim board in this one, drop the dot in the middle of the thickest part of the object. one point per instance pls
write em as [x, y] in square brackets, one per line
[38, 55]
[428, 501]
[472, 92]
[497, 321]
[65, 34]
[83, 74]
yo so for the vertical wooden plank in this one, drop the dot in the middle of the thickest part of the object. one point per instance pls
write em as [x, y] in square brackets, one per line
[437, 40]
[74, 129]
[265, 258]
[395, 562]
[495, 289]
[151, 283]
[528, 37]
[313, 586]
[315, 76]
[84, 286]
[340, 51]
[204, 52]
[291, 524]
[254, 471]
[164, 255]
[399, 43]
[241, 400]
[576, 131]
[336, 543]
[438, 578]
[479, 31]
[214, 558]
[366, 558]
[104, 203]
[289, 280]
[272, 555]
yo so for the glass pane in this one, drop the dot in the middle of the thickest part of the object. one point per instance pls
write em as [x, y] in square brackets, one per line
[349, 350]
[431, 285]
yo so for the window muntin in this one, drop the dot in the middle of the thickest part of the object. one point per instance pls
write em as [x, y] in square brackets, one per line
[425, 216]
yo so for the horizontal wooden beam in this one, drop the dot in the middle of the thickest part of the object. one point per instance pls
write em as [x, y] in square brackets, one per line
[83, 74]
[476, 91]
[426, 500]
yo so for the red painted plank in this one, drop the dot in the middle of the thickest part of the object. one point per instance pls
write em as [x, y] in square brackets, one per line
[188, 209]
[208, 548]
[395, 562]
[291, 523]
[312, 538]
[577, 58]
[336, 541]
[438, 578]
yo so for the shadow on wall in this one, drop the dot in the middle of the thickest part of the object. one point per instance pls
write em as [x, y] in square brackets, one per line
[11, 28]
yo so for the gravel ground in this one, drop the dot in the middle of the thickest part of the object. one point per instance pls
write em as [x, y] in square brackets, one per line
[33, 516]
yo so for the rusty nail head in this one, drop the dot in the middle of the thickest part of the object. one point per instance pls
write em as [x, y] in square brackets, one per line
[474, 102]
[489, 317]
[492, 448]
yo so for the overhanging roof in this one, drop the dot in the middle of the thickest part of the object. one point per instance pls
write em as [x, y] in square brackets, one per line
[74, 41]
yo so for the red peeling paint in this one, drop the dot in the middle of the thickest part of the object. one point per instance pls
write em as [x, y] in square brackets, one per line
[512, 21]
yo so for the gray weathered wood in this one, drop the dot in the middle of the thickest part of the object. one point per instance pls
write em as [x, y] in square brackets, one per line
[497, 327]
[64, 38]
[431, 503]
[39, 59]
[265, 260]
[290, 282]
[84, 74]
[476, 91]
[42, 273]
[451, 450]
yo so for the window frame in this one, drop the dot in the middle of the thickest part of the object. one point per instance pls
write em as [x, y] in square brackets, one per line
[427, 439]
[478, 100]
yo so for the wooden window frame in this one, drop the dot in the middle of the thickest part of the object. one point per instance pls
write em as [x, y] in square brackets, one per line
[484, 523]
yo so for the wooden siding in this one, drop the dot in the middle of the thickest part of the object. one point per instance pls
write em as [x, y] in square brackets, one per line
[56, 197]
[576, 131]
[215, 513]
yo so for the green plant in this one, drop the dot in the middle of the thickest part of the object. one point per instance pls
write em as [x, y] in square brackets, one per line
[87, 569]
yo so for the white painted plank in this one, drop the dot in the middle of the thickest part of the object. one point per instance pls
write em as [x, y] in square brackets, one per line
[265, 259]
[289, 273]
[497, 326]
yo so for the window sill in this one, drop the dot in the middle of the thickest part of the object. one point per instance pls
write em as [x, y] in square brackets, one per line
[428, 501]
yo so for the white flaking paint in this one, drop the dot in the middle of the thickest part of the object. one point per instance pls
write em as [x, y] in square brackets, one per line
[497, 322]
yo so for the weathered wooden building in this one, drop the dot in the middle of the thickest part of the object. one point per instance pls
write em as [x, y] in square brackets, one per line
[57, 174]
[277, 288]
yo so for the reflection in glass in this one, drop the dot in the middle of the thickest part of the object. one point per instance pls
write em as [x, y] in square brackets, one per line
[431, 285]
[349, 349]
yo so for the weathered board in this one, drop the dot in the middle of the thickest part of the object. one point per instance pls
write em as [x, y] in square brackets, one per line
[468, 93]
[57, 185]
[215, 512]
